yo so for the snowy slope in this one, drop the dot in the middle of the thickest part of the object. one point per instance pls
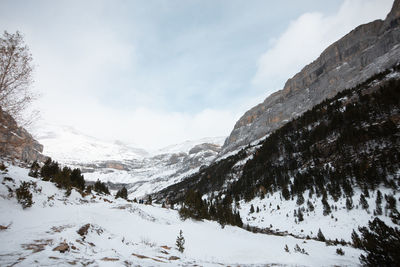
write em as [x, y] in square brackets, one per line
[144, 237]
[337, 225]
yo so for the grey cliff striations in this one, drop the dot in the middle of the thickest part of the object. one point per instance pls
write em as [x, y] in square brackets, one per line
[366, 50]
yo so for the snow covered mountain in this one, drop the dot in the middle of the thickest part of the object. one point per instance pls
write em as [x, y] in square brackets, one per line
[116, 162]
[68, 145]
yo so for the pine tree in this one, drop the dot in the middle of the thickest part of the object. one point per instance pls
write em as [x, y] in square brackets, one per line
[310, 206]
[300, 215]
[285, 193]
[363, 202]
[180, 242]
[320, 236]
[381, 243]
[327, 208]
[300, 199]
[149, 200]
[349, 203]
[122, 193]
[356, 239]
[251, 208]
[378, 201]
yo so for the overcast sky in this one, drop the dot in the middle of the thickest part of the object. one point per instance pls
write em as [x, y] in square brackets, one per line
[157, 72]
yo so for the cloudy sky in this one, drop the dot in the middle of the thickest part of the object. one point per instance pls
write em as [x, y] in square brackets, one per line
[156, 72]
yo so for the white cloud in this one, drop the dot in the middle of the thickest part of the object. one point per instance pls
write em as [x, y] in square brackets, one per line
[142, 127]
[306, 38]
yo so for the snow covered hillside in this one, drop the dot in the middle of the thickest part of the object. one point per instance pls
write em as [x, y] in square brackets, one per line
[282, 216]
[97, 230]
[116, 162]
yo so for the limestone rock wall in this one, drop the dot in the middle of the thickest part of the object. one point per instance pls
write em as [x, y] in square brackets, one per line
[365, 51]
[16, 142]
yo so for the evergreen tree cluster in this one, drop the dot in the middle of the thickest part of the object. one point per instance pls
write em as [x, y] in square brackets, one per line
[364, 149]
[101, 187]
[349, 140]
[122, 193]
[380, 242]
[218, 210]
[67, 178]
[63, 177]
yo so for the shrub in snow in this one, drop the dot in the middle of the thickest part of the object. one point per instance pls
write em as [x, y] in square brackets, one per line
[286, 248]
[34, 170]
[301, 250]
[3, 167]
[180, 242]
[24, 196]
[339, 251]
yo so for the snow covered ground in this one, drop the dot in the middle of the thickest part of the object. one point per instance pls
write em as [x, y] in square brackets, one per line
[122, 233]
[337, 225]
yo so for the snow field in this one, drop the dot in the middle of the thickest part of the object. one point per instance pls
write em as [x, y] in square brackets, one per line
[130, 234]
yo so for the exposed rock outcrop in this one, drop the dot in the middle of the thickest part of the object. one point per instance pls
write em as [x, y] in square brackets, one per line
[367, 50]
[16, 142]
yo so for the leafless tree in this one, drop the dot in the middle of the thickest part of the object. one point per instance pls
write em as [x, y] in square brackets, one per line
[16, 70]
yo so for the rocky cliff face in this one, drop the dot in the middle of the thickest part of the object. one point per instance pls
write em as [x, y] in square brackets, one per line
[368, 49]
[16, 142]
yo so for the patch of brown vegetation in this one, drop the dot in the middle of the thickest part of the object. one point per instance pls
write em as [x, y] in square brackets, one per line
[140, 256]
[38, 246]
[173, 258]
[59, 229]
[63, 247]
[106, 200]
[145, 257]
[84, 230]
[2, 228]
[109, 259]
[165, 247]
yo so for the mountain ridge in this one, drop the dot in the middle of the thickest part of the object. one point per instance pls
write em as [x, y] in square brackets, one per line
[363, 52]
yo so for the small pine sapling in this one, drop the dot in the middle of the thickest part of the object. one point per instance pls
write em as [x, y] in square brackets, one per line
[180, 242]
[286, 248]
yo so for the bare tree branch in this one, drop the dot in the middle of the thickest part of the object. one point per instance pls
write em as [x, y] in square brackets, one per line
[16, 72]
